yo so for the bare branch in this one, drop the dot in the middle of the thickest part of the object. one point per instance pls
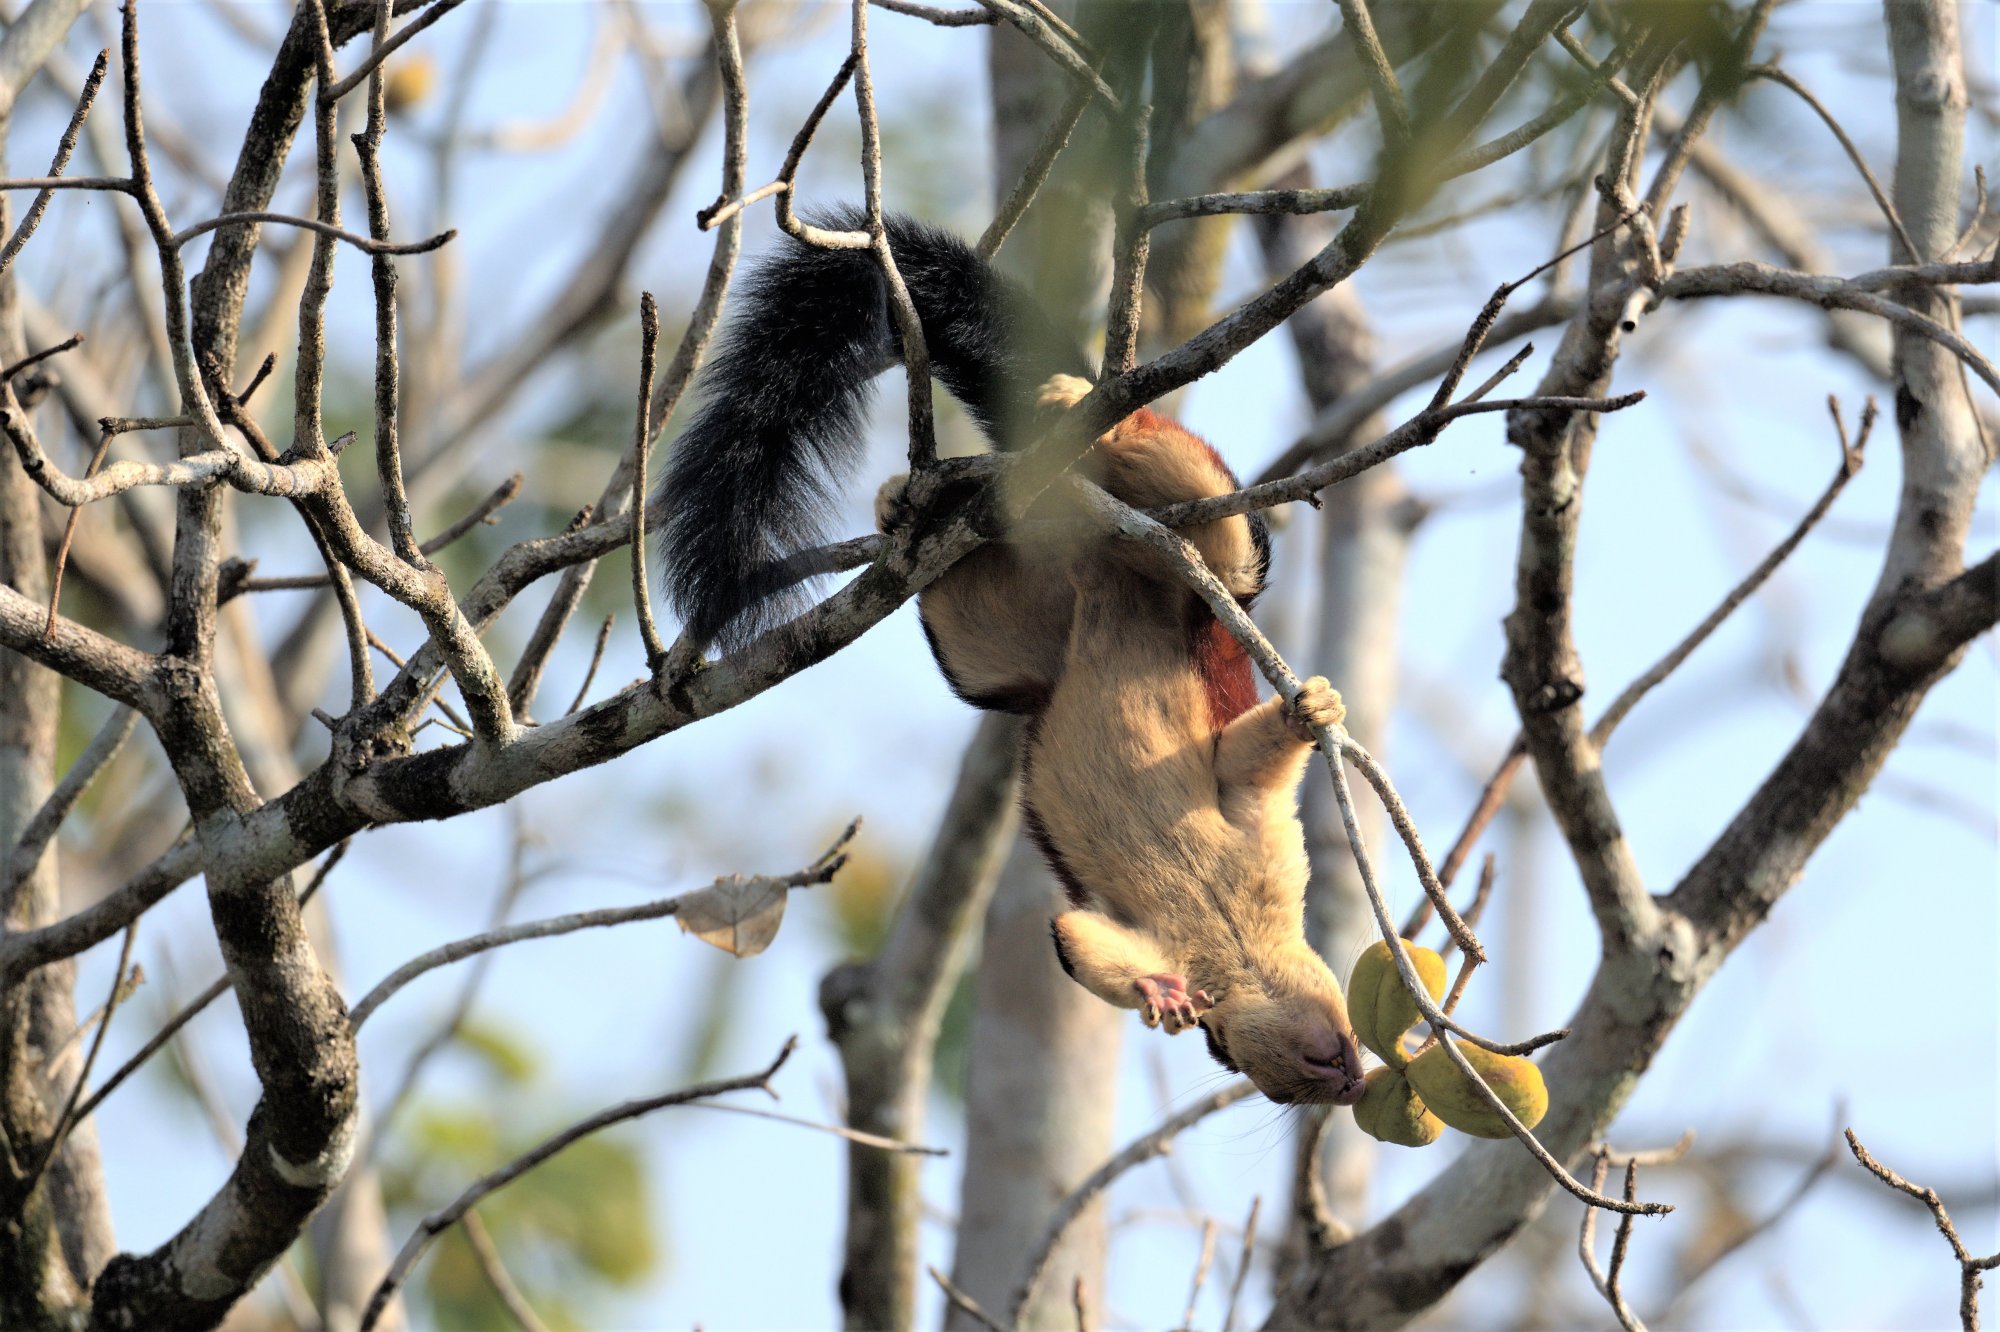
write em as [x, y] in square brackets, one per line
[1388, 93]
[596, 659]
[1036, 173]
[26, 854]
[820, 871]
[445, 1217]
[1140, 1150]
[964, 1303]
[1970, 1269]
[495, 1272]
[944, 18]
[1828, 293]
[1586, 1245]
[370, 68]
[64, 147]
[362, 243]
[1772, 74]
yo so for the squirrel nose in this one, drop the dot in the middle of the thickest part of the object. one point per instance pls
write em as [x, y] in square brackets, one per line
[1333, 1057]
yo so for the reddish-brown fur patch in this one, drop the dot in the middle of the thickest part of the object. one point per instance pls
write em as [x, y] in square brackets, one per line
[1224, 667]
[1151, 422]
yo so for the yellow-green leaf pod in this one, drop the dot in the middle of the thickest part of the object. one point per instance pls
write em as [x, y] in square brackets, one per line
[1379, 1005]
[1390, 1111]
[1452, 1097]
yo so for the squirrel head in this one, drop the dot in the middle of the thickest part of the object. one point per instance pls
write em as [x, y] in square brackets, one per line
[1285, 1027]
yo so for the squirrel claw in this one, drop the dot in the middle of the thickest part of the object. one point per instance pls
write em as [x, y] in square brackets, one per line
[1168, 1003]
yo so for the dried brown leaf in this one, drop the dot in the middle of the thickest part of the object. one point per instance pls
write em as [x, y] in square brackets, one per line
[738, 915]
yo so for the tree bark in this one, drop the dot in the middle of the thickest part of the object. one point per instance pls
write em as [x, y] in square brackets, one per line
[53, 1241]
[883, 1016]
[1040, 1105]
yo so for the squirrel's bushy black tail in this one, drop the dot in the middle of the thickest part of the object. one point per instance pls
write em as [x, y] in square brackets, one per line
[783, 397]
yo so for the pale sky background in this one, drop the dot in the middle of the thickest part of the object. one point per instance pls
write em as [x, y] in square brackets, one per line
[1872, 986]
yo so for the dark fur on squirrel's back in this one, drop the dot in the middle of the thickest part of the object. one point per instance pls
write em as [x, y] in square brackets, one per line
[784, 396]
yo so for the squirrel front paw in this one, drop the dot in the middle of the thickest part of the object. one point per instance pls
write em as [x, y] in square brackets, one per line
[1317, 704]
[892, 503]
[1169, 1004]
[1063, 391]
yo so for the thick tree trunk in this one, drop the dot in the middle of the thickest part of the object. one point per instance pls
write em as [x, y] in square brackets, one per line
[1040, 1104]
[55, 1240]
[883, 1016]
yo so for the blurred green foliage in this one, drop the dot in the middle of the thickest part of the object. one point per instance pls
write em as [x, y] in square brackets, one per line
[577, 1224]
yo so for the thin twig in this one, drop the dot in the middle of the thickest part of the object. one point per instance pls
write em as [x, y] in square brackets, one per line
[1156, 1143]
[1586, 1244]
[384, 49]
[642, 594]
[1243, 1267]
[1970, 1269]
[69, 343]
[909, 326]
[447, 1216]
[361, 243]
[1201, 1267]
[964, 1303]
[1850, 466]
[41, 829]
[1036, 173]
[1772, 74]
[64, 147]
[596, 660]
[61, 562]
[820, 871]
[69, 1116]
[875, 1140]
[488, 1257]
[383, 278]
[794, 155]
